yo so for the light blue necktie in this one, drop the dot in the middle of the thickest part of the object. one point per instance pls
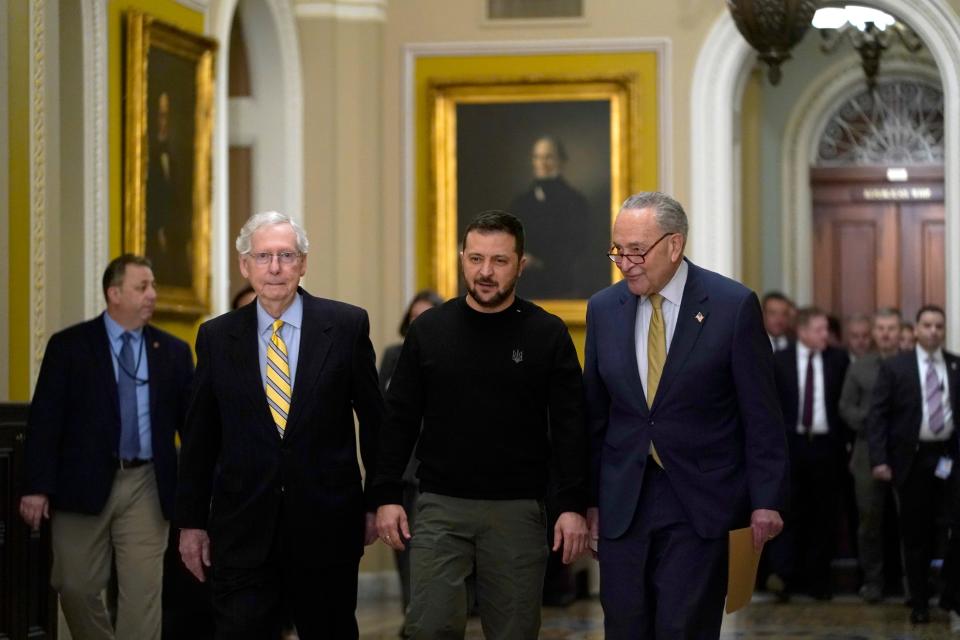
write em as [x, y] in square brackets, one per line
[127, 392]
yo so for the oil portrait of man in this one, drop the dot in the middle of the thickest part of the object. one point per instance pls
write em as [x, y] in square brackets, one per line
[548, 163]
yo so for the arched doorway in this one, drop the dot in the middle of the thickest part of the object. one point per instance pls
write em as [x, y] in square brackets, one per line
[877, 193]
[721, 66]
[276, 175]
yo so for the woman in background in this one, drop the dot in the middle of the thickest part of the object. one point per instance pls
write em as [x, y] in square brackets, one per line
[421, 302]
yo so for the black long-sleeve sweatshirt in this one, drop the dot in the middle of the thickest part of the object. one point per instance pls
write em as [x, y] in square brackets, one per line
[500, 399]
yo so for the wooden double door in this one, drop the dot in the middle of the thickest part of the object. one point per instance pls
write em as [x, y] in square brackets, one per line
[878, 243]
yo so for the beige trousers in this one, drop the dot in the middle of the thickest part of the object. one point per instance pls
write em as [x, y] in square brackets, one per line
[130, 529]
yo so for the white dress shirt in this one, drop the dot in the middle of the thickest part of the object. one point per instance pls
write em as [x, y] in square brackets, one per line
[940, 366]
[820, 424]
[672, 295]
[778, 343]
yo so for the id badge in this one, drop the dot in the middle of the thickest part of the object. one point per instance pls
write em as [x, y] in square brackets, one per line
[944, 467]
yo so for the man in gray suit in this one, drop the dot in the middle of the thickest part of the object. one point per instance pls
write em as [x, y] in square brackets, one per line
[871, 493]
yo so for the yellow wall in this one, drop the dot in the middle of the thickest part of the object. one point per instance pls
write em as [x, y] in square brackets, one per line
[19, 29]
[642, 175]
[18, 47]
[684, 24]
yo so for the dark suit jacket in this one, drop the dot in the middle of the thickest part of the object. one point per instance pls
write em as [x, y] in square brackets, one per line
[74, 424]
[835, 363]
[896, 411]
[305, 487]
[715, 419]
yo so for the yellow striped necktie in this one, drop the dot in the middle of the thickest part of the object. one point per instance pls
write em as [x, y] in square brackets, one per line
[656, 356]
[279, 388]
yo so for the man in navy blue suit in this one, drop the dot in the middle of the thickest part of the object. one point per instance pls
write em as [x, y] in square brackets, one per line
[101, 459]
[687, 438]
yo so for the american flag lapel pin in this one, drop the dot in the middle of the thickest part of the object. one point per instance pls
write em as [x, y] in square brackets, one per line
[699, 317]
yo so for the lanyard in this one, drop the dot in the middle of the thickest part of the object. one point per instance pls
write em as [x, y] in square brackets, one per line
[132, 374]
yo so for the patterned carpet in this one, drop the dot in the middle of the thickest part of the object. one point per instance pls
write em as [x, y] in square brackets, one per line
[845, 618]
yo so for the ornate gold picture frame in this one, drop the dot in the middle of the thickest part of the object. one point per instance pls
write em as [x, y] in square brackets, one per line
[487, 142]
[167, 159]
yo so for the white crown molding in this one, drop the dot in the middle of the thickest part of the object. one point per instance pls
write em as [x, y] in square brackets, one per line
[346, 10]
[95, 143]
[413, 51]
[724, 57]
[38, 186]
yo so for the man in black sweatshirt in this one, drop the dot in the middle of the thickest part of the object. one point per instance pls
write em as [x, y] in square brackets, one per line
[496, 384]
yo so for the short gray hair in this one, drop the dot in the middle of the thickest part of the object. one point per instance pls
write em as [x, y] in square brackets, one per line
[267, 218]
[670, 216]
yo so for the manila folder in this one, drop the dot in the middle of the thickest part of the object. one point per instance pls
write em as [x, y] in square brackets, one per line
[742, 569]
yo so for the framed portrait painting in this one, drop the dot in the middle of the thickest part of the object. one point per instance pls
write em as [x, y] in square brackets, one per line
[167, 162]
[558, 151]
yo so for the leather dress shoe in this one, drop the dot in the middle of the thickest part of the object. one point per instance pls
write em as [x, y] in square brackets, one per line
[920, 616]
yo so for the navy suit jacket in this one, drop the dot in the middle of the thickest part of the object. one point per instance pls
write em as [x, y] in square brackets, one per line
[896, 411]
[715, 419]
[244, 484]
[73, 429]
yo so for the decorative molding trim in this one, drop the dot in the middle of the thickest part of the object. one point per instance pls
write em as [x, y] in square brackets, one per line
[347, 10]
[219, 22]
[411, 52]
[837, 84]
[96, 211]
[722, 60]
[293, 99]
[38, 186]
[715, 158]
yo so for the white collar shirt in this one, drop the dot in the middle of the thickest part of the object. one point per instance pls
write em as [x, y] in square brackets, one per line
[940, 366]
[672, 294]
[820, 425]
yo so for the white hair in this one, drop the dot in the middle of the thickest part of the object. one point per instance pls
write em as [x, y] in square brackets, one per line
[267, 218]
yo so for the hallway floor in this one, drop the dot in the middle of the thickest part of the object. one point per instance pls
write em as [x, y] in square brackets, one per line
[844, 618]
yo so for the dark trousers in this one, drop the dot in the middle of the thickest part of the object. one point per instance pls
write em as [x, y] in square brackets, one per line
[922, 499]
[660, 579]
[187, 610]
[802, 554]
[871, 507]
[950, 597]
[253, 604]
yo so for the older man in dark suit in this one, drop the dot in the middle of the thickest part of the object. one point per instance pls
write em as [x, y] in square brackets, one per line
[913, 442]
[101, 461]
[270, 494]
[687, 439]
[809, 376]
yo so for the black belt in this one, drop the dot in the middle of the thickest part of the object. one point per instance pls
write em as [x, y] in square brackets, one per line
[132, 463]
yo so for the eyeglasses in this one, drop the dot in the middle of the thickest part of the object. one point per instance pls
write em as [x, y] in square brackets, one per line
[264, 258]
[634, 258]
